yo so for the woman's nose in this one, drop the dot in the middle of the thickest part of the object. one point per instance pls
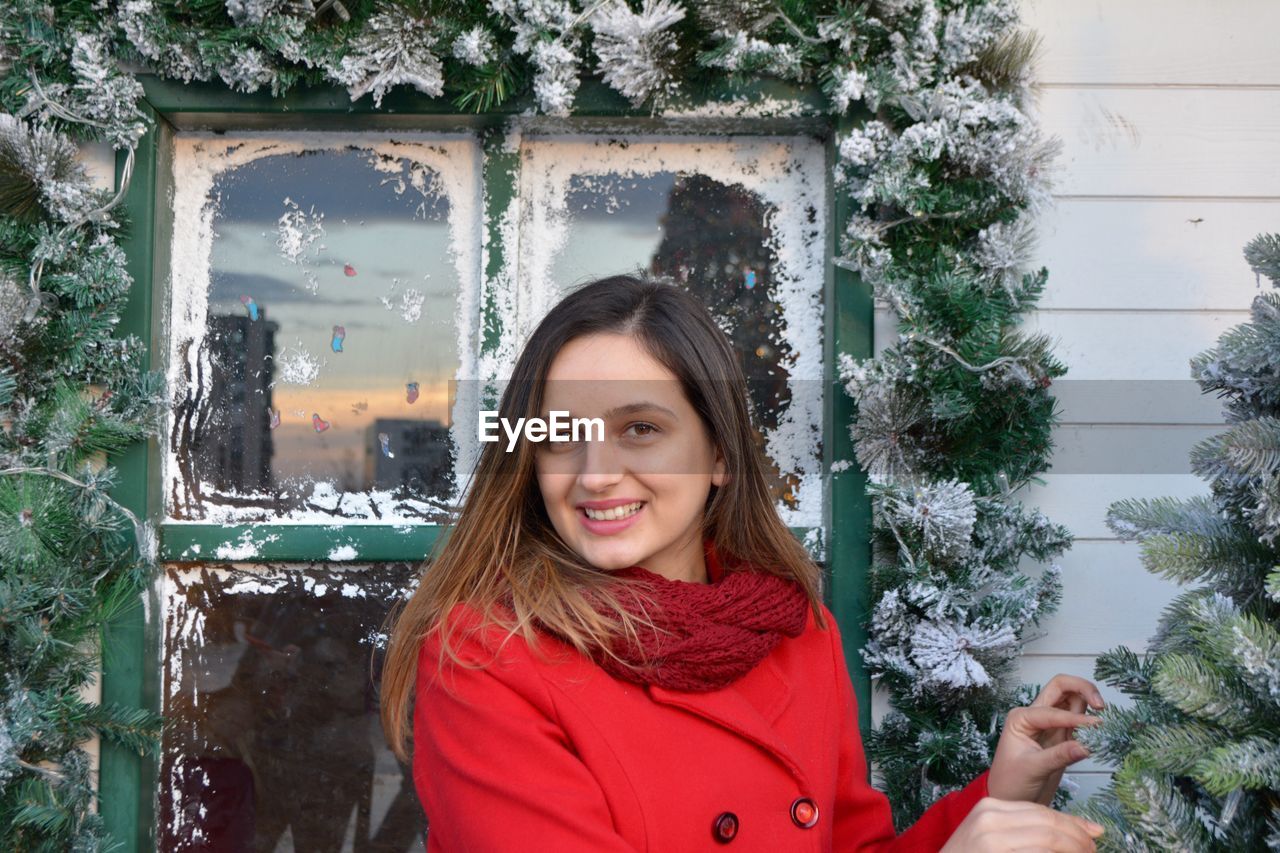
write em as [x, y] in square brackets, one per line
[601, 466]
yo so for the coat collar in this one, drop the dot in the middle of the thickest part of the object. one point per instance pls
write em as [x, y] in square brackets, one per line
[748, 707]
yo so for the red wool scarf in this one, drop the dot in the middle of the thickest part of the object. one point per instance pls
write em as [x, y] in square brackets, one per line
[713, 633]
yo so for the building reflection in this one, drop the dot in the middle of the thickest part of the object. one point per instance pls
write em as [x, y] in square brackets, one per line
[403, 454]
[232, 444]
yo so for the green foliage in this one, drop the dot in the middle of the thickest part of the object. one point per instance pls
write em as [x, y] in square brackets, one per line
[964, 395]
[71, 393]
[1008, 63]
[1263, 256]
[486, 88]
[1199, 748]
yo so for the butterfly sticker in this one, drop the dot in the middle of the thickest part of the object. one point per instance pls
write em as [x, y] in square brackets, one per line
[385, 441]
[411, 392]
[749, 279]
[349, 271]
[250, 306]
[319, 423]
[339, 334]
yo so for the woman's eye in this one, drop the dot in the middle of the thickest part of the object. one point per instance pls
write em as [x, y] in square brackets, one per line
[643, 429]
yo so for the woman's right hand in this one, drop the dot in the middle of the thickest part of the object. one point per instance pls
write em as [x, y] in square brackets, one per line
[997, 826]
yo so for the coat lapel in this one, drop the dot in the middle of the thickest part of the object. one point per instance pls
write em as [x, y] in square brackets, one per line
[748, 707]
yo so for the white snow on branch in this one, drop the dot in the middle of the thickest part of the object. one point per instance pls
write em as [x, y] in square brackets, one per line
[637, 49]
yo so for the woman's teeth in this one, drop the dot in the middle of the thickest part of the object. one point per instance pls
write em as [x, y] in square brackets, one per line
[613, 513]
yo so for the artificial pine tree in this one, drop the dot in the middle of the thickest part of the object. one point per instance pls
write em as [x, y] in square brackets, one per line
[1199, 747]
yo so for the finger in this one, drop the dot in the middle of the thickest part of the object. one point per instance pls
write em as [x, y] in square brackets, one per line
[1073, 702]
[1075, 832]
[1052, 737]
[1062, 684]
[1061, 756]
[1043, 838]
[1063, 687]
[1031, 720]
[1066, 821]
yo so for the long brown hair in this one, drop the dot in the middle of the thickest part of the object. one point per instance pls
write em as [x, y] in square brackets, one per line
[503, 544]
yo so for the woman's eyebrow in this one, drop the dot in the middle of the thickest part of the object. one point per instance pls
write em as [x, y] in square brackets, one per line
[635, 408]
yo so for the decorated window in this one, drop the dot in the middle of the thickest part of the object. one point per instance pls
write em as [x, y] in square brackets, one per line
[340, 306]
[324, 347]
[740, 223]
[323, 306]
[273, 741]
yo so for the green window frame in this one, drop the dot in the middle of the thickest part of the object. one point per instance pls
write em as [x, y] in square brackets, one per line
[131, 671]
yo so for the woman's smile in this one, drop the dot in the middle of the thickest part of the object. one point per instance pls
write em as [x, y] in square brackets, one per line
[605, 518]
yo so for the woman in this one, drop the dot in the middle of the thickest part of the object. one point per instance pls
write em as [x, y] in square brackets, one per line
[622, 647]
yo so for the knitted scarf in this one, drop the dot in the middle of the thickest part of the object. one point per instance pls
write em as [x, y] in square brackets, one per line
[712, 634]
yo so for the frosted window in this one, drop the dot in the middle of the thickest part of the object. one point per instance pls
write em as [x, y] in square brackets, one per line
[273, 741]
[740, 222]
[323, 303]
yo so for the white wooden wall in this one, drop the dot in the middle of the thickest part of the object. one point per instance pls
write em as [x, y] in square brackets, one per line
[1169, 116]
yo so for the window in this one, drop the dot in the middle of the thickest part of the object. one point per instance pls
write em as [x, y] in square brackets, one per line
[335, 298]
[323, 305]
[741, 222]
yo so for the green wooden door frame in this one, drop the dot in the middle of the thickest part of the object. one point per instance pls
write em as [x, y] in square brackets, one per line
[131, 657]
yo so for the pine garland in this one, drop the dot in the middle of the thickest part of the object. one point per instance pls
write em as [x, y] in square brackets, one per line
[1199, 749]
[951, 421]
[71, 392]
[955, 416]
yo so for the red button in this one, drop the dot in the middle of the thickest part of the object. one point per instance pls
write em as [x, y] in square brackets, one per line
[804, 812]
[725, 827]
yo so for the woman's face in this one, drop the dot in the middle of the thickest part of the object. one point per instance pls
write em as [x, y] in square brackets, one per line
[637, 496]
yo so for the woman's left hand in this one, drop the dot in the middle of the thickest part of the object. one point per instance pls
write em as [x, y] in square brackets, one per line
[1038, 743]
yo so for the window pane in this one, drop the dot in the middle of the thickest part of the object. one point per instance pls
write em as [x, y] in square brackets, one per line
[739, 222]
[273, 742]
[323, 301]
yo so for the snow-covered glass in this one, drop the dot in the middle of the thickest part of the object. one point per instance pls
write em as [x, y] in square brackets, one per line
[323, 302]
[739, 221]
[273, 739]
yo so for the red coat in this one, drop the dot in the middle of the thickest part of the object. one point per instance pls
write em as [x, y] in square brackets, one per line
[532, 756]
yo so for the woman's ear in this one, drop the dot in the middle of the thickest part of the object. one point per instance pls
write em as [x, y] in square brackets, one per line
[719, 473]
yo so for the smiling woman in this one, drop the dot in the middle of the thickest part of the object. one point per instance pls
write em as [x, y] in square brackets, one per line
[562, 544]
[655, 558]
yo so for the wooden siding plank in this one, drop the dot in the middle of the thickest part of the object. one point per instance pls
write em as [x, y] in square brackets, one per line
[1158, 254]
[1187, 42]
[1109, 599]
[1165, 142]
[1130, 345]
[1080, 501]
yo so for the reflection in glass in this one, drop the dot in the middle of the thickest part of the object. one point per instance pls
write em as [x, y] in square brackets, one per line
[318, 379]
[273, 742]
[715, 239]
